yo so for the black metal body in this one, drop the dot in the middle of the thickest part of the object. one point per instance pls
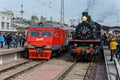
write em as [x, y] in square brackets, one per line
[87, 34]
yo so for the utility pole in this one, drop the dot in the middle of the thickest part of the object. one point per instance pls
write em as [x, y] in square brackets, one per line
[51, 19]
[62, 11]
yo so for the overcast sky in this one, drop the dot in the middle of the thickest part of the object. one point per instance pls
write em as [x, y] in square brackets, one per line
[105, 12]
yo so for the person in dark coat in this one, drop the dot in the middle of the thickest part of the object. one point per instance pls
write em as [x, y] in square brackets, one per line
[8, 40]
[23, 40]
[20, 40]
[104, 39]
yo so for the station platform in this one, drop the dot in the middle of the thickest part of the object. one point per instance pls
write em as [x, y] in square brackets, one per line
[110, 65]
[11, 54]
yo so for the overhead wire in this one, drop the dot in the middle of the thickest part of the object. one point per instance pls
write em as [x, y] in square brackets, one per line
[42, 4]
[50, 4]
[10, 5]
[46, 4]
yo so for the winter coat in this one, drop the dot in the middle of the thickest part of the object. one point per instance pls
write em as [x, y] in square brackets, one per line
[9, 38]
[2, 39]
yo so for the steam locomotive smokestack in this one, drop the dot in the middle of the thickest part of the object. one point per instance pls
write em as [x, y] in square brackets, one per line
[85, 14]
[88, 16]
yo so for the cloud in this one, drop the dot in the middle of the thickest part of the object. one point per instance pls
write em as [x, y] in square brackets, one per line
[103, 10]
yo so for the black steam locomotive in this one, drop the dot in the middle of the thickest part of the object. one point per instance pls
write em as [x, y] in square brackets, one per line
[86, 42]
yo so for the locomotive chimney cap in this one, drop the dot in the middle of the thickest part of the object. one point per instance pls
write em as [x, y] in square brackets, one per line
[85, 14]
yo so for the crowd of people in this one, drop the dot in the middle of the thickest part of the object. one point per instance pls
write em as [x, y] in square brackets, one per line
[112, 40]
[12, 40]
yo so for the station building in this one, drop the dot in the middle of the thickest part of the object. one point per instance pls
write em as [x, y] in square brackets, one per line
[6, 22]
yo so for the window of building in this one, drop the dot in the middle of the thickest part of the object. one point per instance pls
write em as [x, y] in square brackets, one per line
[7, 18]
[3, 25]
[7, 24]
[3, 17]
[13, 28]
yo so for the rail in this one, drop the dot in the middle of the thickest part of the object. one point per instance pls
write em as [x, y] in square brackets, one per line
[117, 66]
[88, 72]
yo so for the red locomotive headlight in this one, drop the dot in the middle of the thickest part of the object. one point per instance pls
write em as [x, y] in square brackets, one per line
[78, 51]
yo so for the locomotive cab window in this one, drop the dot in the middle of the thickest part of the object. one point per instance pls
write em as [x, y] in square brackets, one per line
[34, 33]
[46, 33]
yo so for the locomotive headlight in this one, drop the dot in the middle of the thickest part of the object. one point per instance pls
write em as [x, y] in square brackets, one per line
[84, 18]
[75, 45]
[91, 45]
[30, 46]
[48, 47]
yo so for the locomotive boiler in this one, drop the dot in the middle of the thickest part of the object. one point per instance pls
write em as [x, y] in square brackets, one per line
[86, 43]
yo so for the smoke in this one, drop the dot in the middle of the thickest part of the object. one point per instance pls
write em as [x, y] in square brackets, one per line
[102, 10]
[90, 5]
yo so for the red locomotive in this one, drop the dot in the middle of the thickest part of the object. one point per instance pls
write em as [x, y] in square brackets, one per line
[44, 39]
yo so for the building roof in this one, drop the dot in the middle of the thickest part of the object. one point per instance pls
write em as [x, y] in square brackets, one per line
[17, 25]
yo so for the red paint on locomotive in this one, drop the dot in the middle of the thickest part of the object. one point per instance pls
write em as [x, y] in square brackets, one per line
[78, 51]
[48, 38]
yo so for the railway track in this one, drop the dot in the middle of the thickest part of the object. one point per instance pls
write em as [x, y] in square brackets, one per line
[16, 70]
[10, 67]
[89, 71]
[70, 69]
[66, 71]
[77, 71]
[99, 69]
